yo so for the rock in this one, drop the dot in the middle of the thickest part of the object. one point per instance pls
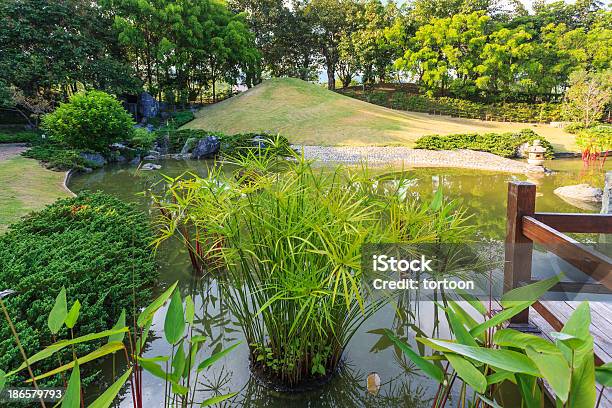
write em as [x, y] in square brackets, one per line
[521, 151]
[154, 153]
[189, 145]
[206, 148]
[121, 159]
[259, 142]
[150, 158]
[581, 195]
[94, 158]
[135, 160]
[148, 105]
[150, 166]
[119, 146]
[87, 170]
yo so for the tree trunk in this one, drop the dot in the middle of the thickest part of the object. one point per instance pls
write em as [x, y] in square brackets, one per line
[331, 77]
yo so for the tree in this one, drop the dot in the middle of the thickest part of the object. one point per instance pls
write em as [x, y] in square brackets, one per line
[588, 95]
[51, 49]
[330, 21]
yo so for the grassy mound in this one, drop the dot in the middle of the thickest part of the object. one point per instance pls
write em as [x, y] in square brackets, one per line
[310, 114]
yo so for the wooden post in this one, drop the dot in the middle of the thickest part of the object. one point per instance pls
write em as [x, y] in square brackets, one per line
[519, 248]
[606, 202]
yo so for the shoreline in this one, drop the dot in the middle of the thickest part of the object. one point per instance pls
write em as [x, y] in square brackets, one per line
[467, 159]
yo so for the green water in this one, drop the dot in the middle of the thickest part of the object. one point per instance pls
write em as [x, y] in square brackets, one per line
[482, 193]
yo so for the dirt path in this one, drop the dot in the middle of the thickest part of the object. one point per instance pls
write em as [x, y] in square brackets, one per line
[8, 150]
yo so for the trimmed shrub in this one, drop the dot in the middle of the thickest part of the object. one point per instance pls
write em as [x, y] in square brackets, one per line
[20, 137]
[90, 120]
[95, 246]
[58, 158]
[501, 144]
[505, 112]
[143, 139]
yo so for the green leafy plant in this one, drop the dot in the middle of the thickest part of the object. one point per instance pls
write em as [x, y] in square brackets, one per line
[287, 240]
[595, 143]
[95, 246]
[56, 157]
[143, 139]
[20, 136]
[484, 355]
[90, 120]
[130, 341]
[502, 144]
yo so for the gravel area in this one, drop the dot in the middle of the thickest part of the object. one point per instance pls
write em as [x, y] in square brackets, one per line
[414, 157]
[8, 150]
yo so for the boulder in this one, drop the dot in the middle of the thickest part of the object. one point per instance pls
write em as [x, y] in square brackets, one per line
[151, 158]
[206, 148]
[135, 160]
[94, 158]
[582, 196]
[150, 166]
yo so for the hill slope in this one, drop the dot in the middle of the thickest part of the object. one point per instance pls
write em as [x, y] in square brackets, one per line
[310, 114]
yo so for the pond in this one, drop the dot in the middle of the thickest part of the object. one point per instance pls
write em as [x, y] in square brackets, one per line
[482, 193]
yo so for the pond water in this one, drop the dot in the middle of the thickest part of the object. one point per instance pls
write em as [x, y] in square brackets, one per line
[482, 193]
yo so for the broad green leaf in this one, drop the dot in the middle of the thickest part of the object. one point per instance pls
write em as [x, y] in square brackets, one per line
[438, 199]
[461, 333]
[218, 399]
[101, 352]
[215, 357]
[178, 388]
[2, 379]
[55, 347]
[602, 373]
[517, 339]
[473, 301]
[530, 391]
[189, 310]
[505, 359]
[499, 318]
[108, 397]
[583, 389]
[58, 313]
[529, 293]
[500, 376]
[567, 339]
[579, 322]
[174, 325]
[147, 314]
[178, 362]
[554, 369]
[73, 314]
[154, 369]
[428, 368]
[154, 359]
[467, 372]
[119, 325]
[72, 397]
[142, 340]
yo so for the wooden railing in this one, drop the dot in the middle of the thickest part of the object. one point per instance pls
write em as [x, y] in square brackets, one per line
[526, 227]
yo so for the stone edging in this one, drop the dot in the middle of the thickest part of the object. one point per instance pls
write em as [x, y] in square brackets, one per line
[67, 177]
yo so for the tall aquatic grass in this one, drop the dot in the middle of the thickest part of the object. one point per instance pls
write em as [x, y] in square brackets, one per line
[286, 246]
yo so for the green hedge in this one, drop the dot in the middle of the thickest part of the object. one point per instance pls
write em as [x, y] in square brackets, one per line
[505, 112]
[21, 136]
[95, 246]
[501, 144]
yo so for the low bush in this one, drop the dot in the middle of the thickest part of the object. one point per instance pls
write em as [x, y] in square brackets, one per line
[506, 112]
[595, 142]
[501, 144]
[574, 127]
[175, 120]
[20, 137]
[90, 120]
[143, 139]
[95, 246]
[56, 157]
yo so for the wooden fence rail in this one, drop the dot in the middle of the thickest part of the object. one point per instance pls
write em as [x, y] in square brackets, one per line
[526, 227]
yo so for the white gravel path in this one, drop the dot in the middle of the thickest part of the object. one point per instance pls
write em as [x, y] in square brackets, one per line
[414, 157]
[8, 150]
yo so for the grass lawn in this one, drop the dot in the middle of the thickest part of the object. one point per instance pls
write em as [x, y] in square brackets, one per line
[26, 186]
[310, 114]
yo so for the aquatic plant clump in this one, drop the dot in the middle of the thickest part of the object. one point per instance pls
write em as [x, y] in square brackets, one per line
[286, 246]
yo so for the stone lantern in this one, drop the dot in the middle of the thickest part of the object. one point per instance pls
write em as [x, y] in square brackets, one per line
[536, 154]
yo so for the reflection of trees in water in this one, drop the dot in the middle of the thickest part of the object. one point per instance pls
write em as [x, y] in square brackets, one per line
[347, 389]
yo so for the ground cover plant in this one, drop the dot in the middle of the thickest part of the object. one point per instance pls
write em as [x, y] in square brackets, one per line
[180, 382]
[19, 136]
[501, 144]
[285, 240]
[595, 143]
[484, 359]
[95, 246]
